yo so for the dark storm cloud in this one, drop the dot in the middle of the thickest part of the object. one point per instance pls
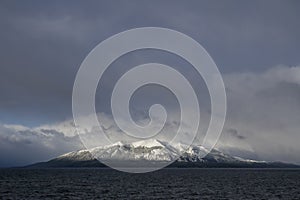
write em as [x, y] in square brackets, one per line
[43, 43]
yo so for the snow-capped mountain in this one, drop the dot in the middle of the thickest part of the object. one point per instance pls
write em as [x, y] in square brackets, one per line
[154, 151]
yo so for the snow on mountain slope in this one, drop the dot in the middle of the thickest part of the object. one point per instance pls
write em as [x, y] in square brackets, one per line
[148, 143]
[81, 155]
[152, 150]
[155, 151]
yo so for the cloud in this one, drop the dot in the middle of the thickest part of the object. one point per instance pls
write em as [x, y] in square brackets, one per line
[265, 108]
[262, 123]
[234, 133]
[43, 44]
[36, 85]
[20, 145]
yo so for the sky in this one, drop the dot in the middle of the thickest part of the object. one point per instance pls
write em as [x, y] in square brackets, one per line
[255, 45]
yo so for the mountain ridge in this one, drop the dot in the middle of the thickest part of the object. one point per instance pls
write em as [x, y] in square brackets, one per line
[151, 151]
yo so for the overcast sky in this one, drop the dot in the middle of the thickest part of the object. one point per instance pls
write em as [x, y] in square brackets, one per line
[255, 44]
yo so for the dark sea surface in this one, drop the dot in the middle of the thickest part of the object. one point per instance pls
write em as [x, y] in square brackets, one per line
[163, 184]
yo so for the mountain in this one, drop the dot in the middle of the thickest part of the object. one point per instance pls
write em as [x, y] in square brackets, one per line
[155, 151]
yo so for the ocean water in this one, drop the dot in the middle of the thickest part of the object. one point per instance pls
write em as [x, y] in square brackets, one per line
[163, 184]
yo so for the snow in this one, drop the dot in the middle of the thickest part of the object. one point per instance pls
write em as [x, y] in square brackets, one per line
[249, 160]
[153, 150]
[81, 155]
[148, 143]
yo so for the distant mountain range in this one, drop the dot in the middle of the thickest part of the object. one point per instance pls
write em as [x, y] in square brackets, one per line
[155, 151]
